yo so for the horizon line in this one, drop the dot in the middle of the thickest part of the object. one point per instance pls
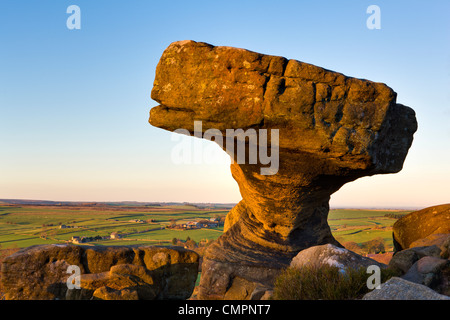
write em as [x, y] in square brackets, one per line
[222, 203]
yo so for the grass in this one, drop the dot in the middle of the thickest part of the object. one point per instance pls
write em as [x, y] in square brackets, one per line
[324, 283]
[360, 236]
[355, 225]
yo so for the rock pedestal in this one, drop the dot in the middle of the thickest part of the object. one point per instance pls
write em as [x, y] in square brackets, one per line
[321, 128]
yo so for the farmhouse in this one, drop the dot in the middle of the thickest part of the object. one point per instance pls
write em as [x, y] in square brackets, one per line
[189, 225]
[193, 225]
[136, 221]
[211, 225]
[78, 240]
[196, 224]
[115, 236]
[63, 226]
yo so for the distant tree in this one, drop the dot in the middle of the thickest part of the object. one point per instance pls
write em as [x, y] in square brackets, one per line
[222, 220]
[188, 238]
[174, 241]
[353, 246]
[395, 215]
[376, 245]
[190, 244]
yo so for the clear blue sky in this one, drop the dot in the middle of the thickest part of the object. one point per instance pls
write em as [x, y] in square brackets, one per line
[74, 103]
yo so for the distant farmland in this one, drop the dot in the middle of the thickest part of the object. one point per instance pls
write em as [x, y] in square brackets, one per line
[26, 225]
[23, 226]
[359, 226]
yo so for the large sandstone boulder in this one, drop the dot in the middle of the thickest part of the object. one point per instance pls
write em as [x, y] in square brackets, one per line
[110, 273]
[332, 129]
[426, 227]
[331, 255]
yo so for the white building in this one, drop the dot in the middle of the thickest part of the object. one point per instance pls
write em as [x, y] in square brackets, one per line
[115, 236]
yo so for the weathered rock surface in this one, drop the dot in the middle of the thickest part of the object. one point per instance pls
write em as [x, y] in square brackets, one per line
[429, 226]
[423, 265]
[333, 129]
[116, 272]
[445, 248]
[399, 289]
[403, 260]
[428, 271]
[331, 255]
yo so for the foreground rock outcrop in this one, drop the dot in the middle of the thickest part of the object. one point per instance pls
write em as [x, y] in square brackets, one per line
[107, 273]
[424, 266]
[422, 243]
[332, 129]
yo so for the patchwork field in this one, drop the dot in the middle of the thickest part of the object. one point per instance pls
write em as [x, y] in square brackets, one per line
[360, 226]
[22, 226]
[26, 225]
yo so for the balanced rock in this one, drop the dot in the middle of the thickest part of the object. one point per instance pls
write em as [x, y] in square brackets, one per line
[110, 272]
[321, 128]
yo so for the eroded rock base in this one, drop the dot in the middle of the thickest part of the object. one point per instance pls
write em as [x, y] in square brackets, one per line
[106, 273]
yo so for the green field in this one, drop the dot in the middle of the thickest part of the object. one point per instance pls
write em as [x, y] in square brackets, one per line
[23, 226]
[30, 225]
[359, 226]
